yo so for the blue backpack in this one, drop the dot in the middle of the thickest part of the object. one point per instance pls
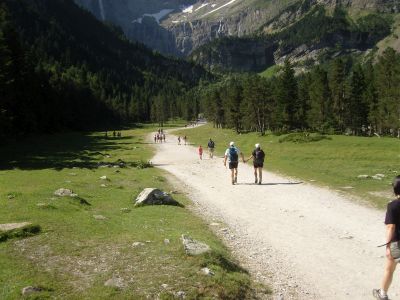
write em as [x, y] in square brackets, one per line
[233, 154]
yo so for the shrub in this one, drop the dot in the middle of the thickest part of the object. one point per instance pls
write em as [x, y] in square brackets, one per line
[303, 137]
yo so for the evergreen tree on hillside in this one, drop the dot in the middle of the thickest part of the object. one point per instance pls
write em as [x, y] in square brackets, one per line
[357, 109]
[232, 101]
[287, 96]
[320, 114]
[388, 90]
[338, 93]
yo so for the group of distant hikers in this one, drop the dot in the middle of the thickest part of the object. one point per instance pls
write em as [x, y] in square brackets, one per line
[160, 137]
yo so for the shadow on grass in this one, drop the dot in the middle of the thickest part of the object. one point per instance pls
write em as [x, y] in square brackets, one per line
[59, 151]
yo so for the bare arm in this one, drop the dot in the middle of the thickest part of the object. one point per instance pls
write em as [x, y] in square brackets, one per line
[225, 157]
[390, 230]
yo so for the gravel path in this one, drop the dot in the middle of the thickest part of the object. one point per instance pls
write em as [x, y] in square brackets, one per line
[307, 242]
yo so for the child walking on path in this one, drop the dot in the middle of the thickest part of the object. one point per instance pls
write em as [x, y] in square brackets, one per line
[201, 152]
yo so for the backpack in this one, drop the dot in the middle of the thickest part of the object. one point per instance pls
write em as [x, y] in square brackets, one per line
[259, 157]
[233, 154]
[211, 144]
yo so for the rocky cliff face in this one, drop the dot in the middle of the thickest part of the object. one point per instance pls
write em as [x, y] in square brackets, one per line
[179, 27]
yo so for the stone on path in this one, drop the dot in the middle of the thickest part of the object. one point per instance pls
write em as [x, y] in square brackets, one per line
[153, 196]
[62, 192]
[193, 247]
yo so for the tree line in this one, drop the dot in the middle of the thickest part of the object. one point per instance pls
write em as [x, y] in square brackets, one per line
[341, 97]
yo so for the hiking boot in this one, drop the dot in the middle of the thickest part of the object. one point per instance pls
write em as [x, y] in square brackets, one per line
[233, 182]
[255, 181]
[235, 179]
[377, 294]
[259, 182]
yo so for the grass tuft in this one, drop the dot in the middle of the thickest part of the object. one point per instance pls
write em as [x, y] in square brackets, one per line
[303, 137]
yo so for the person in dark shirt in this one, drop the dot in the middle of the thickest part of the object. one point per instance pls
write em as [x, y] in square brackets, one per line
[258, 156]
[392, 222]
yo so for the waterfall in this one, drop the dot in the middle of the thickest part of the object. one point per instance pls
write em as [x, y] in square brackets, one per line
[103, 16]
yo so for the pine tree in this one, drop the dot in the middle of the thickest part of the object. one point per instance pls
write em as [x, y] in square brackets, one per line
[338, 90]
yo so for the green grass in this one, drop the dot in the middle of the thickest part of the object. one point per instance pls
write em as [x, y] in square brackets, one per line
[75, 254]
[334, 162]
[270, 72]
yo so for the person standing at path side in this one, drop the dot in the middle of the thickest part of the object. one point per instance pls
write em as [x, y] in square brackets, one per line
[258, 156]
[201, 152]
[211, 147]
[179, 140]
[232, 155]
[392, 222]
[185, 139]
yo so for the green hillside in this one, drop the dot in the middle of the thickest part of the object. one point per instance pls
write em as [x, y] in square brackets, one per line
[61, 68]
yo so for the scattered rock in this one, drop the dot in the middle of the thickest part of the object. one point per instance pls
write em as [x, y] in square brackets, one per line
[137, 244]
[181, 294]
[164, 285]
[312, 180]
[215, 224]
[152, 196]
[193, 247]
[207, 271]
[166, 241]
[99, 217]
[103, 185]
[380, 175]
[62, 192]
[363, 176]
[30, 290]
[11, 196]
[73, 195]
[115, 282]
[12, 226]
[125, 210]
[376, 177]
[104, 177]
[72, 174]
[346, 237]
[148, 242]
[347, 187]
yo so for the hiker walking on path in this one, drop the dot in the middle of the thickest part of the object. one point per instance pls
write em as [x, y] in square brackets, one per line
[185, 139]
[179, 140]
[392, 222]
[232, 155]
[211, 147]
[201, 152]
[258, 156]
[163, 136]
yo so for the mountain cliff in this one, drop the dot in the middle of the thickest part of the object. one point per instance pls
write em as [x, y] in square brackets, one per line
[193, 27]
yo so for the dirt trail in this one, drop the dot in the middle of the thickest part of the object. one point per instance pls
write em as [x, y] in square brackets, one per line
[309, 242]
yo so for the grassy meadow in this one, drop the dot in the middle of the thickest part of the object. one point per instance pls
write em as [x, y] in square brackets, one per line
[334, 162]
[75, 253]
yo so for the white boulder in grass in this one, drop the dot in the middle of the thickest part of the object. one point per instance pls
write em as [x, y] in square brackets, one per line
[62, 192]
[153, 196]
[193, 247]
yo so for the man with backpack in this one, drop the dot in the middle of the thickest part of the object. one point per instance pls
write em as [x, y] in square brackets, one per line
[232, 155]
[211, 146]
[258, 156]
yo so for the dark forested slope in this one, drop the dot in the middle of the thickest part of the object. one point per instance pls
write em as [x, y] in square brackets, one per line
[60, 68]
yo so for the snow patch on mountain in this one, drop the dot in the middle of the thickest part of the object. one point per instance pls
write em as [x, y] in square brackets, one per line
[157, 16]
[201, 6]
[218, 8]
[188, 9]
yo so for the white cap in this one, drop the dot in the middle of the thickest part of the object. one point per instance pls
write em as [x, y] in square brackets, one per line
[257, 145]
[231, 143]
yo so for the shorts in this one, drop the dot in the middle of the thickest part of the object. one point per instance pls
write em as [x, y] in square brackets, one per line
[233, 165]
[211, 150]
[395, 250]
[258, 165]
